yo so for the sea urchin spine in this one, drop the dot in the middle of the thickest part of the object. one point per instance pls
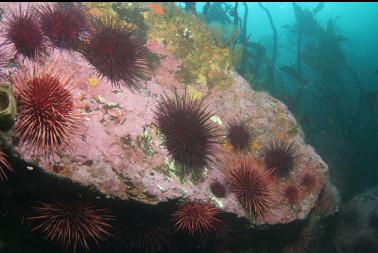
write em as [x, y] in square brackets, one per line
[195, 217]
[252, 185]
[72, 225]
[189, 134]
[48, 118]
[24, 33]
[116, 53]
[4, 165]
[63, 24]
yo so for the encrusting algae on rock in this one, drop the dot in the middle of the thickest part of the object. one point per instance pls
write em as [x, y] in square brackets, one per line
[187, 38]
[8, 107]
[116, 113]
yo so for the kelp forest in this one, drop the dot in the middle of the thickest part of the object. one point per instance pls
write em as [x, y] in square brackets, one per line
[318, 83]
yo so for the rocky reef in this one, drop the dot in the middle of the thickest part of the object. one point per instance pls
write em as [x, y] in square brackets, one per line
[115, 148]
[356, 229]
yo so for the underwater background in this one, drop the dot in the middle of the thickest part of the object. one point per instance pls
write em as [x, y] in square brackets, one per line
[188, 127]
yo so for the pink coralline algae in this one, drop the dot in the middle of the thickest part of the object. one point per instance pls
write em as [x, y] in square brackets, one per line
[122, 153]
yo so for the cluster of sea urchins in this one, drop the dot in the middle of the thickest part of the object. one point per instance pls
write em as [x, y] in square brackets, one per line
[191, 138]
[111, 47]
[31, 31]
[47, 113]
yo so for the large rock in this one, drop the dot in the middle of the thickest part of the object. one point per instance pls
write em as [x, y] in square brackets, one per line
[121, 154]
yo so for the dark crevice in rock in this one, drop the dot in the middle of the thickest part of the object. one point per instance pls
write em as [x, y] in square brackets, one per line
[27, 187]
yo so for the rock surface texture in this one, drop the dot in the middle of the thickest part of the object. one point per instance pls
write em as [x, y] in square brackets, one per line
[357, 226]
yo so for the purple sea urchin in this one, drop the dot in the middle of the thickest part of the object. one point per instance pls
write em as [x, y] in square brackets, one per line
[116, 53]
[63, 24]
[279, 158]
[218, 188]
[189, 134]
[239, 134]
[251, 184]
[24, 33]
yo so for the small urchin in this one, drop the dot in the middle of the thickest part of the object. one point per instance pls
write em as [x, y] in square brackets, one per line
[63, 24]
[23, 32]
[239, 134]
[117, 53]
[71, 225]
[144, 238]
[48, 118]
[311, 181]
[292, 194]
[218, 188]
[196, 218]
[280, 157]
[251, 184]
[190, 136]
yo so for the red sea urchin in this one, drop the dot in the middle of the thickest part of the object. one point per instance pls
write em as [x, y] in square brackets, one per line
[116, 53]
[63, 24]
[251, 184]
[189, 134]
[71, 225]
[48, 118]
[24, 33]
[195, 217]
[4, 165]
[279, 158]
[239, 134]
